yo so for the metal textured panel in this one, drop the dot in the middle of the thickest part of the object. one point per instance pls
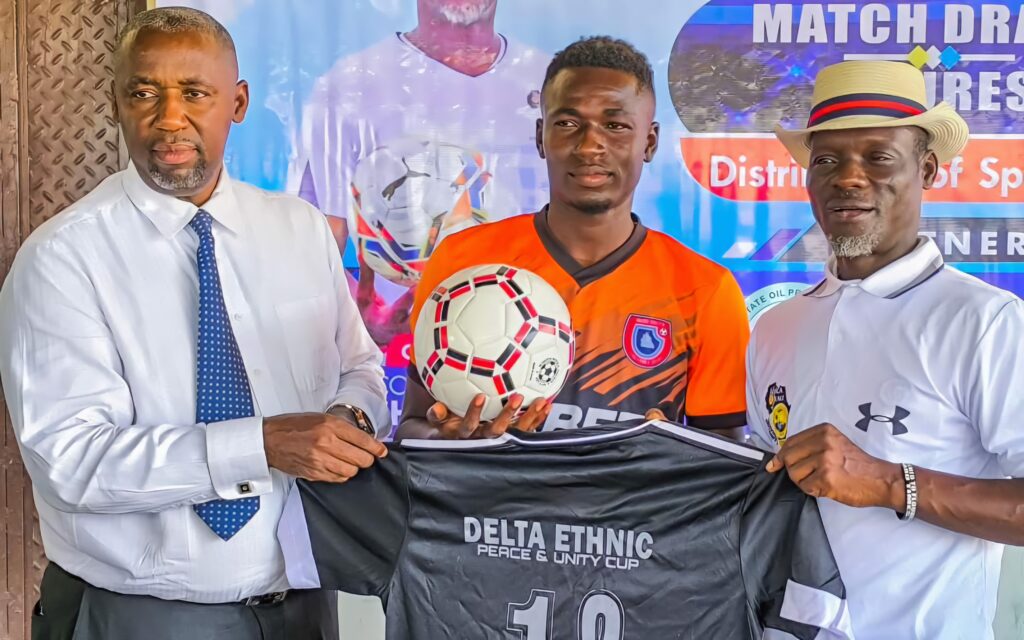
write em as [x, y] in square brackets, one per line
[73, 136]
[13, 549]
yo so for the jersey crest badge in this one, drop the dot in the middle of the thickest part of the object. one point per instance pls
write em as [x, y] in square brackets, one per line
[778, 413]
[647, 341]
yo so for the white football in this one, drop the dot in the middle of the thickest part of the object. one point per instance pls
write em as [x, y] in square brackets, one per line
[496, 330]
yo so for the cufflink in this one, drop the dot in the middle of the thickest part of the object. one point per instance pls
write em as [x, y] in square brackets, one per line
[244, 487]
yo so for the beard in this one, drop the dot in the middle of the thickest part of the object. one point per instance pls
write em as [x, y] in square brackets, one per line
[193, 179]
[860, 245]
[854, 246]
[466, 13]
[593, 207]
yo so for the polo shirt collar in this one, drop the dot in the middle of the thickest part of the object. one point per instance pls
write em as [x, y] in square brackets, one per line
[170, 215]
[892, 280]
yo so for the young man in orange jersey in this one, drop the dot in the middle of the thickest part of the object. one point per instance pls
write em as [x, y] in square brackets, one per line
[658, 326]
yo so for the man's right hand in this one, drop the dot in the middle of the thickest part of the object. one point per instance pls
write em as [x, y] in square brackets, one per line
[447, 425]
[318, 446]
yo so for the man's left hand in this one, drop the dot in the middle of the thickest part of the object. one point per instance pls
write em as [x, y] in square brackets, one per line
[824, 463]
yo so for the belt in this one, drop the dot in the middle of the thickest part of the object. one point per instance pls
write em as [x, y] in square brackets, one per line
[266, 599]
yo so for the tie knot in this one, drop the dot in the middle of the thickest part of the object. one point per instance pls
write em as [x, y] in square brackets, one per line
[202, 222]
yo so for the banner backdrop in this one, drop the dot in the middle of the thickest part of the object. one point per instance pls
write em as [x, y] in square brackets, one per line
[354, 108]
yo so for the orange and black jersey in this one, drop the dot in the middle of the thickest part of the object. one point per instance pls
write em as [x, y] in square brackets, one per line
[657, 325]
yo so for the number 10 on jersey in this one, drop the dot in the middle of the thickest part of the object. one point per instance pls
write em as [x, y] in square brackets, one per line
[600, 616]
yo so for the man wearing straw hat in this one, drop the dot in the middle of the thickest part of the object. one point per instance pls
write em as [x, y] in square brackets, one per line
[892, 387]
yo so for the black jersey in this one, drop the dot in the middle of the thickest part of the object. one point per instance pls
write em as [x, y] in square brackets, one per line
[636, 531]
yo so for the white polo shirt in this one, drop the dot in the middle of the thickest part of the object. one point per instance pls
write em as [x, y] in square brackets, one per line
[917, 363]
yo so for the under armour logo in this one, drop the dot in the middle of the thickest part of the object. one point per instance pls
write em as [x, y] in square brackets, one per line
[898, 428]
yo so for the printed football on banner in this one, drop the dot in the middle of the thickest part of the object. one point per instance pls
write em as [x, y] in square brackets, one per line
[496, 330]
[411, 194]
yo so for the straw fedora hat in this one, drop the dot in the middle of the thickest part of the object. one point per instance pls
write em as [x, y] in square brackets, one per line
[860, 94]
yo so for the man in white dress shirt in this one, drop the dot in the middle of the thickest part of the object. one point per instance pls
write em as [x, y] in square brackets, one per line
[893, 387]
[175, 348]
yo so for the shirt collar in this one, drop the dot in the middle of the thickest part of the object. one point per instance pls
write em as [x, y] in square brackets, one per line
[585, 275]
[170, 215]
[892, 280]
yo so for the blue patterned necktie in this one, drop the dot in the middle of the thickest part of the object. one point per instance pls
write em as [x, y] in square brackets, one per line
[222, 387]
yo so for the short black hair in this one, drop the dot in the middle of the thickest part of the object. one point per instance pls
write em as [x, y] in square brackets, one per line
[172, 20]
[604, 52]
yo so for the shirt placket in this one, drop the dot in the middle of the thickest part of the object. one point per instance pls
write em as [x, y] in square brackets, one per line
[244, 325]
[828, 395]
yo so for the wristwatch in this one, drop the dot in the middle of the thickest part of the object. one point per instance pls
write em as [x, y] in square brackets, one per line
[353, 414]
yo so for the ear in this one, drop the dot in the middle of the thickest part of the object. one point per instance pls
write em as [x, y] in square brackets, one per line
[652, 141]
[241, 101]
[539, 138]
[929, 169]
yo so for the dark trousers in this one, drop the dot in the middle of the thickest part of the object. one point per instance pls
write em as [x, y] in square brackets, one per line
[71, 609]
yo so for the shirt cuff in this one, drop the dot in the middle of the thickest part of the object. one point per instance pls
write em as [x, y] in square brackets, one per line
[237, 460]
[376, 409]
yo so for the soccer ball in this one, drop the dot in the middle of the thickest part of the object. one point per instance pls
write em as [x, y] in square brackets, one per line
[409, 195]
[496, 330]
